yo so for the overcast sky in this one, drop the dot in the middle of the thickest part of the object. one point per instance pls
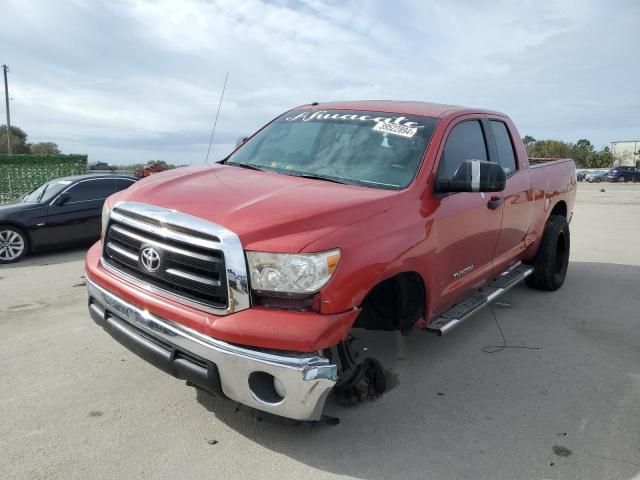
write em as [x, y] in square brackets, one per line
[130, 80]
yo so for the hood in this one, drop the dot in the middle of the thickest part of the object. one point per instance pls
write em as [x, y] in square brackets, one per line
[268, 211]
[11, 208]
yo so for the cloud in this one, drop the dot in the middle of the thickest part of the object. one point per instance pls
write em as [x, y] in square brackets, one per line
[130, 80]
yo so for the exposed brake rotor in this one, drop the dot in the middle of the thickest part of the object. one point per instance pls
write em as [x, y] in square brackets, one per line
[359, 378]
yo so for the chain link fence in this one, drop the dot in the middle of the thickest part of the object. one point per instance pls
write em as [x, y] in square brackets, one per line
[19, 174]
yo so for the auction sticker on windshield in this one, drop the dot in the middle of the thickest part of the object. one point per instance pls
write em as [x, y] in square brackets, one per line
[395, 129]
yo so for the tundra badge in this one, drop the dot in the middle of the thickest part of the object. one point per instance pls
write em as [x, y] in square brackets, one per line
[463, 272]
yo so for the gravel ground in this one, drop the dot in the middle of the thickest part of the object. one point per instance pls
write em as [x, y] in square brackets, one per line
[75, 404]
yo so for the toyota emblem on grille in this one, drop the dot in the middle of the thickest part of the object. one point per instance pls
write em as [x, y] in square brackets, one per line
[150, 259]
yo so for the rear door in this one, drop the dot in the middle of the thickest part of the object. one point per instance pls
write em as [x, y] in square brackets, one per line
[518, 205]
[78, 220]
[122, 183]
[465, 227]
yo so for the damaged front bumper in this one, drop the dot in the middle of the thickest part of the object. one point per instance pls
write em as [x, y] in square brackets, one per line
[288, 384]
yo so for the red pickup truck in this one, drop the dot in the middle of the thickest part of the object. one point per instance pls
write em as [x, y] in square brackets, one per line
[246, 277]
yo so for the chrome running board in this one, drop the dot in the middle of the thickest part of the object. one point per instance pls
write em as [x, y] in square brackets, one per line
[463, 310]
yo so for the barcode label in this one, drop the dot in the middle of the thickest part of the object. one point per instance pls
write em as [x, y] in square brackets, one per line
[395, 129]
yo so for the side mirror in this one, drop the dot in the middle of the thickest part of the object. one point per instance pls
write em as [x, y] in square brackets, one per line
[474, 176]
[62, 199]
[241, 140]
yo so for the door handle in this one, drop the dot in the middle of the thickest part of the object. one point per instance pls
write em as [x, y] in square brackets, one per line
[495, 202]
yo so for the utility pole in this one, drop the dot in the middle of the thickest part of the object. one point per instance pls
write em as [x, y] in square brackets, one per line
[6, 99]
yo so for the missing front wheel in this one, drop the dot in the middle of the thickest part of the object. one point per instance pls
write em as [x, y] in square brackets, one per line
[360, 378]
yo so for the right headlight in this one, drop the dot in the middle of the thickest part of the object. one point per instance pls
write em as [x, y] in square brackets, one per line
[286, 273]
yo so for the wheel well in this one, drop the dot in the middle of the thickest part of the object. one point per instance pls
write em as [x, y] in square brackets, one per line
[559, 208]
[393, 304]
[21, 228]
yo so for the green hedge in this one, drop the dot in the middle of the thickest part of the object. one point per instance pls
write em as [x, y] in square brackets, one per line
[19, 174]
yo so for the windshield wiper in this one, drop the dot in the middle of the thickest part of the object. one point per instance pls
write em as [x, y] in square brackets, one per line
[248, 166]
[322, 177]
[42, 194]
[291, 173]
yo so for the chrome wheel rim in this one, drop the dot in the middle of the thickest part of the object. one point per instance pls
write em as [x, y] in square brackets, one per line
[11, 245]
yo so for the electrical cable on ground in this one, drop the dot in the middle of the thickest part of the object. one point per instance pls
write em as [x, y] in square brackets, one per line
[500, 348]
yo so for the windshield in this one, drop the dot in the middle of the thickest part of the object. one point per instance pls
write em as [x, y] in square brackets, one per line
[372, 149]
[46, 191]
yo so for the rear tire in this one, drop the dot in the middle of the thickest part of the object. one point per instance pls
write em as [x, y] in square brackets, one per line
[14, 244]
[552, 259]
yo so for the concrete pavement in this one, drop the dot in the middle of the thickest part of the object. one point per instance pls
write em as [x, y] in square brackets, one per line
[75, 404]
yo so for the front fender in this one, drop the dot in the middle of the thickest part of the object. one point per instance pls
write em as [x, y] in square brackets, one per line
[373, 250]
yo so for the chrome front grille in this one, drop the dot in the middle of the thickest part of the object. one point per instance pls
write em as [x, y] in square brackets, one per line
[186, 258]
[175, 228]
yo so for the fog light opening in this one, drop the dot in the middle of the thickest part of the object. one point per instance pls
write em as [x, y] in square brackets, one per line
[266, 388]
[279, 387]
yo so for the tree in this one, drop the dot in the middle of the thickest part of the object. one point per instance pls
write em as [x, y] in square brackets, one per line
[18, 140]
[529, 142]
[160, 163]
[581, 150]
[549, 149]
[599, 159]
[45, 148]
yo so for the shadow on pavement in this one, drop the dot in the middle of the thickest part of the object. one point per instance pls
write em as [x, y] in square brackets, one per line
[50, 257]
[568, 410]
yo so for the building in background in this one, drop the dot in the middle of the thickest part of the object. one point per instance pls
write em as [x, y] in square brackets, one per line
[626, 153]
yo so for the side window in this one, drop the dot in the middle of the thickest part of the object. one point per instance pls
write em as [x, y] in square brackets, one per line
[465, 142]
[121, 184]
[91, 190]
[506, 156]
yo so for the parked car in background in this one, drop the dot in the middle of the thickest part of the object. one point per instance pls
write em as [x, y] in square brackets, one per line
[61, 212]
[581, 174]
[623, 174]
[597, 176]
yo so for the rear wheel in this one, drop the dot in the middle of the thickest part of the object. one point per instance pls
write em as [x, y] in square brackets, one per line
[552, 260]
[13, 244]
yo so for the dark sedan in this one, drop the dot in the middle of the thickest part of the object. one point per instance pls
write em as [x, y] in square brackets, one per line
[61, 212]
[623, 174]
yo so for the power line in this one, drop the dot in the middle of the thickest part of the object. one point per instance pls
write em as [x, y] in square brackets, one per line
[206, 160]
[5, 68]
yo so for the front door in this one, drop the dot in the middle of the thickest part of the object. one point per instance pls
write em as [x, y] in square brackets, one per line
[78, 220]
[467, 224]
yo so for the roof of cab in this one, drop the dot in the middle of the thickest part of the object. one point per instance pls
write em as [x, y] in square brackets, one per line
[427, 109]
